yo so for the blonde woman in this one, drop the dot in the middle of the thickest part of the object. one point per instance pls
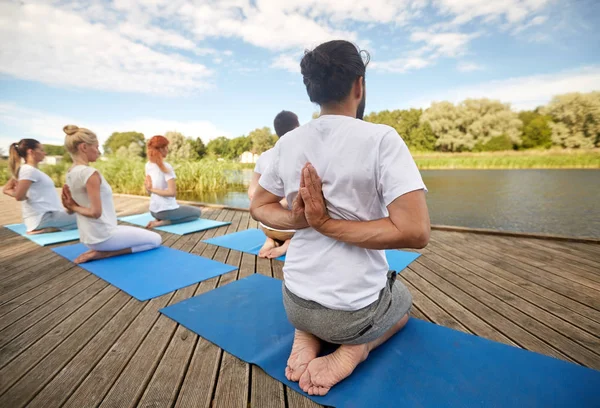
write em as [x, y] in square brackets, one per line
[89, 196]
[42, 211]
[160, 184]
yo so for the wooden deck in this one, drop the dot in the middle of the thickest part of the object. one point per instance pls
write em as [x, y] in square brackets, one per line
[70, 339]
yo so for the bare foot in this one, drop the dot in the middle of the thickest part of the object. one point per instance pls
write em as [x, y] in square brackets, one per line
[157, 223]
[324, 372]
[87, 256]
[304, 350]
[279, 251]
[266, 248]
[43, 231]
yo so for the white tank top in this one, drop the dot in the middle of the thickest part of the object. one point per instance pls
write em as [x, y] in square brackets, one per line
[91, 230]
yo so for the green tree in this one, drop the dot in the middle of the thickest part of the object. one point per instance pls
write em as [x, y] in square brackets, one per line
[576, 119]
[237, 146]
[422, 138]
[262, 139]
[218, 147]
[537, 132]
[123, 152]
[199, 147]
[118, 139]
[180, 147]
[54, 150]
[473, 122]
[135, 150]
[495, 144]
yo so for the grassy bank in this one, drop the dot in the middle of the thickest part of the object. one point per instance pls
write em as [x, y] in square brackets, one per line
[536, 159]
[127, 176]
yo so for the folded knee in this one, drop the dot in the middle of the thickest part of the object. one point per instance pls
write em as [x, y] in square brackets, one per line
[156, 240]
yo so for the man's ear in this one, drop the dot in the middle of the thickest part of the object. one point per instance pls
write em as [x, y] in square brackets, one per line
[359, 87]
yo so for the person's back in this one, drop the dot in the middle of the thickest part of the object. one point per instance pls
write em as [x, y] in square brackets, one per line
[352, 158]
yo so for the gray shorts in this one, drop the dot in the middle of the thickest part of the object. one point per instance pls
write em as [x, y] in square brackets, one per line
[350, 327]
[185, 213]
[57, 219]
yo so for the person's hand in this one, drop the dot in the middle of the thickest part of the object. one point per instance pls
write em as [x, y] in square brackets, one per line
[148, 184]
[10, 186]
[67, 199]
[311, 189]
[298, 211]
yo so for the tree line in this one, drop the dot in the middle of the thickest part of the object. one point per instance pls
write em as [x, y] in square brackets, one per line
[568, 121]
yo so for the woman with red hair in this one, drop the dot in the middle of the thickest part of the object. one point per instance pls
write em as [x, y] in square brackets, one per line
[160, 184]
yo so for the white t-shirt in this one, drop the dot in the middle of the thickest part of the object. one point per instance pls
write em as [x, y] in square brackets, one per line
[363, 167]
[41, 196]
[159, 182]
[91, 230]
[263, 161]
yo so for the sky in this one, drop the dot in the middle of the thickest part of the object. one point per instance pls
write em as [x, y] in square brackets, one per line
[210, 68]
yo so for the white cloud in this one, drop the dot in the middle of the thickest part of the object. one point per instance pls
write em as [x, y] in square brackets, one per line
[400, 65]
[536, 21]
[47, 128]
[59, 47]
[512, 11]
[522, 92]
[468, 67]
[445, 44]
[289, 62]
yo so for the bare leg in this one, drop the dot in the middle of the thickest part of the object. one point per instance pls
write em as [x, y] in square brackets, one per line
[279, 251]
[157, 223]
[305, 349]
[43, 231]
[324, 372]
[92, 255]
[266, 248]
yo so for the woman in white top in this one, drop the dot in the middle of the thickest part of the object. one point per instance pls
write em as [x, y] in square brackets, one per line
[42, 211]
[160, 184]
[89, 196]
[277, 241]
[355, 191]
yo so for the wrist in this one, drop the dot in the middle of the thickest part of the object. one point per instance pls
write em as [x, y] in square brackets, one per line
[323, 228]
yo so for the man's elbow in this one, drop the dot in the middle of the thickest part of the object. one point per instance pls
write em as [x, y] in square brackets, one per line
[21, 197]
[96, 214]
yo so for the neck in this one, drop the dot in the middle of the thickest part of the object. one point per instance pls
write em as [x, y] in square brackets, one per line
[343, 109]
[81, 160]
[31, 161]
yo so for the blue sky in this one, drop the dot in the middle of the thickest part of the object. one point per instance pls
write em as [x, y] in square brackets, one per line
[210, 68]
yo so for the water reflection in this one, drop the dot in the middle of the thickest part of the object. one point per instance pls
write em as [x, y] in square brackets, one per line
[562, 202]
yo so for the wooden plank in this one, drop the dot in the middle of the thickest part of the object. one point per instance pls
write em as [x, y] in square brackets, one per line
[26, 388]
[99, 381]
[557, 265]
[39, 322]
[234, 375]
[25, 352]
[510, 307]
[459, 312]
[163, 388]
[565, 318]
[41, 278]
[504, 324]
[50, 300]
[38, 296]
[201, 376]
[64, 382]
[527, 279]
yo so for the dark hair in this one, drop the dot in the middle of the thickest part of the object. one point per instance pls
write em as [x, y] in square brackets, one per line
[330, 70]
[284, 122]
[17, 151]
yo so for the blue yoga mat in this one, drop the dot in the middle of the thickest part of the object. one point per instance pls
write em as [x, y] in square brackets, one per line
[146, 275]
[424, 365]
[251, 240]
[45, 239]
[200, 224]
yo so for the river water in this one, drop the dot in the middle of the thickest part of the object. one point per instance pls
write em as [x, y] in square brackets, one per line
[560, 202]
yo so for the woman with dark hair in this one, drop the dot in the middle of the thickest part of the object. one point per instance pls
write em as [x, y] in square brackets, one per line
[160, 184]
[42, 211]
[355, 191]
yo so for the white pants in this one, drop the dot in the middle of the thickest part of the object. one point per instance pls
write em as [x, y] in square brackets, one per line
[124, 237]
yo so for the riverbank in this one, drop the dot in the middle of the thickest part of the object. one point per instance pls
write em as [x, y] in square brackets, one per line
[509, 160]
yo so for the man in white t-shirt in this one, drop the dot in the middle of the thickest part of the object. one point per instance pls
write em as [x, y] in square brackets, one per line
[355, 191]
[277, 241]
